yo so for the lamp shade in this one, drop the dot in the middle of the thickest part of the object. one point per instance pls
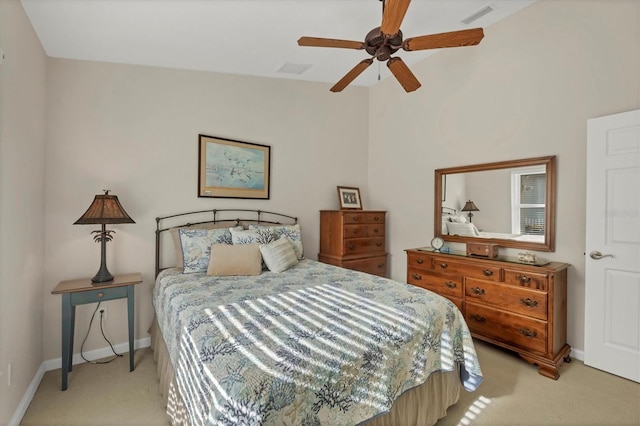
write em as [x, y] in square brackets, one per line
[470, 207]
[105, 209]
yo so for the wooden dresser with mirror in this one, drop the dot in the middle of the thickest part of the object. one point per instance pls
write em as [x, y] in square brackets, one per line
[521, 307]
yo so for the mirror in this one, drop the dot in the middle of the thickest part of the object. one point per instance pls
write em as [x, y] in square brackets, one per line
[509, 203]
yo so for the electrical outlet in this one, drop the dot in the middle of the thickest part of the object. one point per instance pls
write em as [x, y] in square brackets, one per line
[104, 311]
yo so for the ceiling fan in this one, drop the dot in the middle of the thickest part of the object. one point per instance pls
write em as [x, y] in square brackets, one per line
[385, 40]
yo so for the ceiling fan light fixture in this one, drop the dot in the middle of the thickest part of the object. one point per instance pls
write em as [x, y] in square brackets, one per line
[478, 14]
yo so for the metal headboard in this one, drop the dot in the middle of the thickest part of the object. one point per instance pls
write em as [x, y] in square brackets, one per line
[232, 216]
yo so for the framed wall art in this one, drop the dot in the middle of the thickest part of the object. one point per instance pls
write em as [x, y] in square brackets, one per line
[233, 169]
[349, 198]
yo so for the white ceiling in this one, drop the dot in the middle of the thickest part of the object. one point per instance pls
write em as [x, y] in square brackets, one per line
[250, 37]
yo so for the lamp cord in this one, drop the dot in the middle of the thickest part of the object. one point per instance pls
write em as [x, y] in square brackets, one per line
[115, 354]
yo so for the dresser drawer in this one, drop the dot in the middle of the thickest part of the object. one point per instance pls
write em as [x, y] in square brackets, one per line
[419, 260]
[377, 217]
[491, 273]
[354, 218]
[513, 329]
[363, 246]
[371, 265]
[356, 231]
[519, 300]
[441, 284]
[525, 278]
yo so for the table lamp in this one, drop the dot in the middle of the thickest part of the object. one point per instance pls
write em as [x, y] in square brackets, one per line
[470, 207]
[105, 209]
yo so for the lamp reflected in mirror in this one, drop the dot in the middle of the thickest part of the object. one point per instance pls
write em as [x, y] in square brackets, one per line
[470, 207]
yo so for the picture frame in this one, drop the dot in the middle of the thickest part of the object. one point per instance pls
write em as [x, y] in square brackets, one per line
[349, 198]
[233, 169]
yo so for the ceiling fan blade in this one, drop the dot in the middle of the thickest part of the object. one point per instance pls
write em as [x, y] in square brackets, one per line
[351, 75]
[329, 42]
[394, 11]
[469, 37]
[403, 74]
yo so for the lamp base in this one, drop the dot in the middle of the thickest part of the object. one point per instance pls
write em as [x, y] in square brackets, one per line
[103, 276]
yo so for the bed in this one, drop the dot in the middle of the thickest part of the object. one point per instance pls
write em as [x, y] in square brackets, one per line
[313, 344]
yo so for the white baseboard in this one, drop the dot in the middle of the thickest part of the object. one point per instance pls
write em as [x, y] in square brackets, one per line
[54, 364]
[28, 396]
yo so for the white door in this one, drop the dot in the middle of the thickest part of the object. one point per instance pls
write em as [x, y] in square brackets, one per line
[612, 305]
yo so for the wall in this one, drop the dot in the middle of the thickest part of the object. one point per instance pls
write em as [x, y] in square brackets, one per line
[134, 130]
[526, 91]
[22, 164]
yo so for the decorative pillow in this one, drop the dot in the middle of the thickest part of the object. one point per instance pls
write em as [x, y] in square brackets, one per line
[458, 218]
[279, 255]
[176, 237]
[292, 232]
[196, 246]
[242, 259]
[445, 229]
[252, 236]
[463, 229]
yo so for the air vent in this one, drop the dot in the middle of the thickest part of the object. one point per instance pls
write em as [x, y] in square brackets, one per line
[289, 68]
[477, 14]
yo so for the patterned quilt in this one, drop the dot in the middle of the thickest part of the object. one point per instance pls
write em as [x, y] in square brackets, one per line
[314, 345]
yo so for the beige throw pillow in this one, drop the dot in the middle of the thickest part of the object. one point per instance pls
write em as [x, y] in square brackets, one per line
[242, 259]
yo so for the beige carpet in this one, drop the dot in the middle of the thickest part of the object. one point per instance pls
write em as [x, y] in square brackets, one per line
[512, 393]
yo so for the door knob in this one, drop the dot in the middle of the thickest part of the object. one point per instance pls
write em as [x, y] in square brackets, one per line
[596, 255]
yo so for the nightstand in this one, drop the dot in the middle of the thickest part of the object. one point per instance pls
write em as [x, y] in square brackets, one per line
[83, 291]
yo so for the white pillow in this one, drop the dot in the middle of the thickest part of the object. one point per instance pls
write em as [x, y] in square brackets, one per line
[458, 218]
[279, 255]
[463, 229]
[445, 229]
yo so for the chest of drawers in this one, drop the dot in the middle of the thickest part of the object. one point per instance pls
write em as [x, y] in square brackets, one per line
[354, 239]
[519, 307]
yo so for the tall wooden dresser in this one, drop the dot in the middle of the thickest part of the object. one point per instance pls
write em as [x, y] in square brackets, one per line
[354, 239]
[517, 306]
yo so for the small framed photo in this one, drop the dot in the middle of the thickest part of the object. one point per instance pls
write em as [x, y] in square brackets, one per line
[349, 198]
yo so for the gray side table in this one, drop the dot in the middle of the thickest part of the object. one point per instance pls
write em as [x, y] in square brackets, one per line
[82, 291]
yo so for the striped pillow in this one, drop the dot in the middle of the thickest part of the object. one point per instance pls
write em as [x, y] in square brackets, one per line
[279, 255]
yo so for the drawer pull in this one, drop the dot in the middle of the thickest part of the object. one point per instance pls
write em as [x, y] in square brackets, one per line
[355, 218]
[351, 247]
[377, 218]
[419, 261]
[380, 265]
[378, 244]
[487, 272]
[375, 231]
[477, 291]
[100, 295]
[478, 318]
[443, 265]
[529, 302]
[524, 279]
[450, 284]
[528, 333]
[355, 231]
[417, 276]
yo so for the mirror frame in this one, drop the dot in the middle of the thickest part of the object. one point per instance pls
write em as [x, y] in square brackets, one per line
[550, 213]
